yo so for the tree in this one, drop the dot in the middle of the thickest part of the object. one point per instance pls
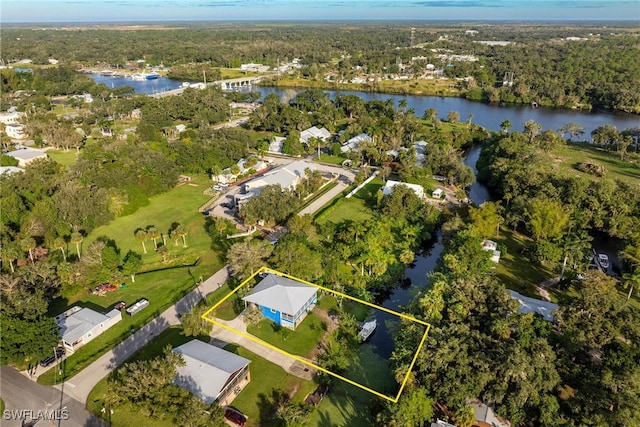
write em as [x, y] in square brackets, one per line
[153, 234]
[487, 219]
[60, 244]
[9, 251]
[430, 114]
[414, 409]
[252, 316]
[193, 324]
[453, 116]
[531, 128]
[247, 256]
[164, 252]
[505, 126]
[573, 129]
[28, 244]
[605, 135]
[76, 239]
[131, 265]
[142, 236]
[182, 231]
[547, 218]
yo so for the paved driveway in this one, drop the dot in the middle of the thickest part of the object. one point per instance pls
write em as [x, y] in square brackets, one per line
[79, 386]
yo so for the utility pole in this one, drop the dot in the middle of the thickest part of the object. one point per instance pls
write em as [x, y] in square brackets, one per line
[413, 33]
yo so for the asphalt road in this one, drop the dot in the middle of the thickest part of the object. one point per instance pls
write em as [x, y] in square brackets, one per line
[21, 394]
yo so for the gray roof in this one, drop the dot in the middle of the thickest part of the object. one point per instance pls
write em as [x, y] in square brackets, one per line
[280, 293]
[207, 369]
[79, 323]
[26, 154]
[286, 175]
[313, 132]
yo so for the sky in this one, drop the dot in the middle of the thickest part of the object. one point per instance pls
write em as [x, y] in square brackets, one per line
[13, 11]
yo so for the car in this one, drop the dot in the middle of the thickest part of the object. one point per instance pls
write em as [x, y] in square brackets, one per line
[235, 417]
[217, 188]
[49, 360]
[223, 184]
[120, 305]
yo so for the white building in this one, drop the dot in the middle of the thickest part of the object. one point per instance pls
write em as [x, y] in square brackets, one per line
[314, 132]
[276, 145]
[287, 176]
[11, 118]
[437, 193]
[531, 305]
[79, 325]
[354, 143]
[211, 373]
[259, 68]
[390, 184]
[9, 170]
[26, 156]
[491, 246]
[15, 131]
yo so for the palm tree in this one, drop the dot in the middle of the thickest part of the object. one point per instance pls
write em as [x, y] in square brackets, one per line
[632, 281]
[28, 244]
[59, 243]
[182, 231]
[153, 234]
[141, 236]
[505, 126]
[8, 253]
[164, 252]
[77, 238]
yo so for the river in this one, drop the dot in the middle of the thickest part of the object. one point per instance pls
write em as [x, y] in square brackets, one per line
[486, 115]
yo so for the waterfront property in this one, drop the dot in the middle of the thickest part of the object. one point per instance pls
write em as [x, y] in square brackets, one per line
[211, 373]
[284, 301]
[79, 325]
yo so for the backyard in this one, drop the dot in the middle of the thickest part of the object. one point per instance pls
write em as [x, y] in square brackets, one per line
[358, 208]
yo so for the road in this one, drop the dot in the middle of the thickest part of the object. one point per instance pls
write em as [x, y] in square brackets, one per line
[79, 386]
[325, 198]
[20, 393]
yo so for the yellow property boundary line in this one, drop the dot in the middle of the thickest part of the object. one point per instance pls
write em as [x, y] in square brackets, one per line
[311, 364]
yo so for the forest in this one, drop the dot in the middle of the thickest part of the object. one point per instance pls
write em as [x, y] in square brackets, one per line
[599, 70]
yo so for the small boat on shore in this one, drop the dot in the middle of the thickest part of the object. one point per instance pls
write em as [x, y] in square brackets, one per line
[368, 328]
[603, 259]
[151, 76]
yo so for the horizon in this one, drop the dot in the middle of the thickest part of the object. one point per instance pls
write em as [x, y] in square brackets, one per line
[209, 11]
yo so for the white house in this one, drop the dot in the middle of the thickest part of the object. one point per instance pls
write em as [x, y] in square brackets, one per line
[532, 305]
[211, 373]
[314, 132]
[390, 184]
[26, 156]
[11, 118]
[354, 143]
[15, 131]
[181, 128]
[437, 193]
[79, 325]
[491, 246]
[288, 176]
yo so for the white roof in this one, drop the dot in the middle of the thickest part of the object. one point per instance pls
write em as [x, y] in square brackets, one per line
[26, 154]
[313, 132]
[276, 145]
[207, 369]
[388, 187]
[9, 170]
[532, 305]
[281, 294]
[286, 175]
[79, 323]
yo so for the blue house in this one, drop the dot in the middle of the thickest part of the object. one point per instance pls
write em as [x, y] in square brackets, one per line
[284, 301]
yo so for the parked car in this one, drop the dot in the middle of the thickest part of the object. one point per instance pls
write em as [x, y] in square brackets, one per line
[49, 360]
[120, 305]
[235, 417]
[217, 188]
[223, 184]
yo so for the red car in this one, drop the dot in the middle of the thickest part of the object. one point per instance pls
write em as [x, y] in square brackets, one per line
[120, 305]
[235, 417]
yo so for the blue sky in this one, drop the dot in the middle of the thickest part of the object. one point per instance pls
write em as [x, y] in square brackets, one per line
[205, 10]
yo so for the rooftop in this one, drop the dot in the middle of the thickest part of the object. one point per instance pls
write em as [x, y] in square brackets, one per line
[280, 293]
[82, 321]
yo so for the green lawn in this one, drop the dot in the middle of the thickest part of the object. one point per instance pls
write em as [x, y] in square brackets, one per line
[267, 381]
[353, 209]
[1, 405]
[127, 415]
[230, 309]
[299, 342]
[162, 285]
[347, 405]
[65, 158]
[567, 157]
[334, 160]
[515, 270]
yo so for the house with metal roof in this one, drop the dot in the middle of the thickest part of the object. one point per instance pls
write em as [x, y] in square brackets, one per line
[314, 132]
[354, 143]
[284, 301]
[390, 185]
[79, 325]
[211, 373]
[287, 176]
[26, 156]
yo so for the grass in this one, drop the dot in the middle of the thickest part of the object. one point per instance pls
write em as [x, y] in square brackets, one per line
[1, 405]
[65, 158]
[127, 414]
[267, 381]
[347, 405]
[228, 73]
[515, 270]
[299, 342]
[162, 285]
[567, 157]
[334, 160]
[228, 310]
[357, 208]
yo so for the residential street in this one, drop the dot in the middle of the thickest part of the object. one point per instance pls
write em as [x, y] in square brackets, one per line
[79, 386]
[20, 393]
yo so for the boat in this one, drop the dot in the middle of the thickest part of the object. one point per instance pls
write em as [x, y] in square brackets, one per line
[603, 259]
[138, 77]
[151, 76]
[368, 328]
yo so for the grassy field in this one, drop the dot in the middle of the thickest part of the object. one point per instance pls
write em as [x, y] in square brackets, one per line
[334, 160]
[357, 208]
[567, 157]
[229, 73]
[65, 158]
[299, 342]
[162, 284]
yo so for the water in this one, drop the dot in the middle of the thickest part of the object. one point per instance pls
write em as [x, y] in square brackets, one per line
[149, 87]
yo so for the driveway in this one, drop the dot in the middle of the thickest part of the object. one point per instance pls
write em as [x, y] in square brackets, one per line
[21, 394]
[324, 199]
[79, 386]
